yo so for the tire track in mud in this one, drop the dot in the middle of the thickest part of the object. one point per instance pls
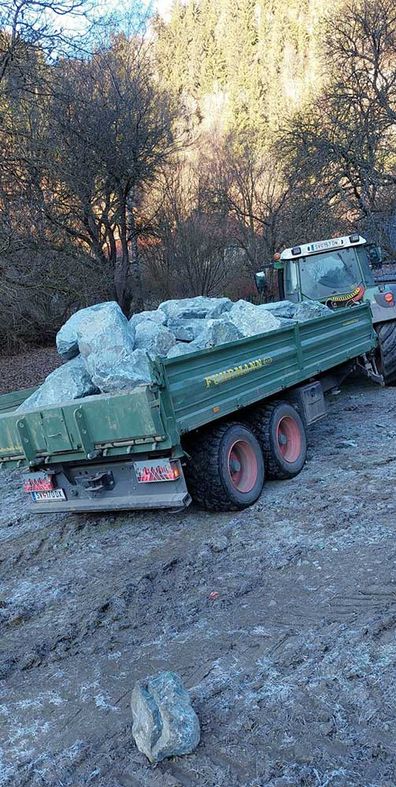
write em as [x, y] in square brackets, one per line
[291, 669]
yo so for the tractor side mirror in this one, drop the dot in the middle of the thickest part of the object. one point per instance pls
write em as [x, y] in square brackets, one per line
[375, 256]
[261, 281]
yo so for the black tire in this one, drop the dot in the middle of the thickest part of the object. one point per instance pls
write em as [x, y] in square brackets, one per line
[212, 481]
[265, 422]
[386, 332]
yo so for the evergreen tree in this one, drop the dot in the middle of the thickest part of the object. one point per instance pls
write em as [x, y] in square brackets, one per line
[260, 56]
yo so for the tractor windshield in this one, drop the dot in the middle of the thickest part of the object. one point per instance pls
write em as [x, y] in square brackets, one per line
[324, 275]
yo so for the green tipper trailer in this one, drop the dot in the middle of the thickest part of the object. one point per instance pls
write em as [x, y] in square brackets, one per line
[213, 425]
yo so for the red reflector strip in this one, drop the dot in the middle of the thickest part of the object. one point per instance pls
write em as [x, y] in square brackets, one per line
[147, 474]
[38, 485]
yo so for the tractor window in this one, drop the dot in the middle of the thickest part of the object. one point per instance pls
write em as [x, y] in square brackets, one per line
[368, 276]
[292, 285]
[324, 275]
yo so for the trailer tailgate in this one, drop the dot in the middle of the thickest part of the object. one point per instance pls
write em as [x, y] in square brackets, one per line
[115, 424]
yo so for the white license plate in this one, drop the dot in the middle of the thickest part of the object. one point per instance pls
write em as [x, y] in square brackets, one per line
[326, 244]
[54, 494]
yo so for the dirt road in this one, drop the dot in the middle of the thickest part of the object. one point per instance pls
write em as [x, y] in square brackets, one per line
[292, 670]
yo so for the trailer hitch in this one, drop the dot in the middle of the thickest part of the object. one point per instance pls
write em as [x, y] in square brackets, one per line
[370, 369]
[98, 482]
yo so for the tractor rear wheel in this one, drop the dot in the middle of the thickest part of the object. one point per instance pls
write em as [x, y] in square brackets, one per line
[386, 332]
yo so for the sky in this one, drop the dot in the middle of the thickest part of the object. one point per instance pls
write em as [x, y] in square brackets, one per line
[132, 12]
[163, 7]
[76, 23]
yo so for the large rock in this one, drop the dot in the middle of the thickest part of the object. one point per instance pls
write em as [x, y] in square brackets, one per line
[186, 329]
[66, 338]
[308, 310]
[117, 372]
[196, 308]
[106, 342]
[70, 381]
[217, 332]
[153, 337]
[300, 311]
[181, 348]
[164, 722]
[156, 315]
[251, 320]
[283, 309]
[214, 333]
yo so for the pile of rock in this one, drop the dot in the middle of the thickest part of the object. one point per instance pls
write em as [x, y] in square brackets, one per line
[105, 352]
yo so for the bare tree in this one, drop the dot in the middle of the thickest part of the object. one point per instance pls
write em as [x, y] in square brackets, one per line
[343, 147]
[250, 189]
[186, 254]
[109, 130]
[40, 25]
[362, 48]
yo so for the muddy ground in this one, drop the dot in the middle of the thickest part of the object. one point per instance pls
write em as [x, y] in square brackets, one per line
[27, 369]
[292, 670]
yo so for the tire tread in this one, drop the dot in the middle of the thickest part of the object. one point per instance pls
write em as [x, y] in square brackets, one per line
[206, 488]
[260, 422]
[387, 338]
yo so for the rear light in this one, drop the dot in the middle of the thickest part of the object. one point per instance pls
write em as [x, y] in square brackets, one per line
[39, 485]
[148, 472]
[388, 297]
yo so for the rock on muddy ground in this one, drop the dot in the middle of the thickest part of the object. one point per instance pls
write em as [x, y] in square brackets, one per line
[164, 722]
[280, 620]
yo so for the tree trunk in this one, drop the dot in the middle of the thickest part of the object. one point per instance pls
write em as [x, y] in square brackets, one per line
[121, 267]
[137, 294]
[134, 257]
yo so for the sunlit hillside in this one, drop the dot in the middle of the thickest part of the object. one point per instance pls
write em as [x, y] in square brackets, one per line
[245, 65]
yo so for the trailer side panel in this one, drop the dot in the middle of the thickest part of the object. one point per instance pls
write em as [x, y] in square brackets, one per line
[211, 384]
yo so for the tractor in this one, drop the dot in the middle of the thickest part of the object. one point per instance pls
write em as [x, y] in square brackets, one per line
[339, 272]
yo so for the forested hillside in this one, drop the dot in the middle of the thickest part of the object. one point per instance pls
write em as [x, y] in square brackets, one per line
[243, 65]
[174, 157]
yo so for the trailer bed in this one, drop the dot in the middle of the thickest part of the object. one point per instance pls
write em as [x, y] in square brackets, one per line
[190, 391]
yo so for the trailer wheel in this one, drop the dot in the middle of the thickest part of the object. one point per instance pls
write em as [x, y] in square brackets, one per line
[226, 467]
[281, 434]
[386, 332]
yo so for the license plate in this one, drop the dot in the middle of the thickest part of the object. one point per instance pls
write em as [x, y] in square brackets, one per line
[54, 494]
[326, 244]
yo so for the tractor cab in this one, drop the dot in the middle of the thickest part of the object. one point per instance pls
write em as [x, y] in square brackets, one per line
[327, 270]
[339, 272]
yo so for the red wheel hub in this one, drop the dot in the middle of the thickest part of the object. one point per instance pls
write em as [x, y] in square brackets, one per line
[242, 466]
[289, 438]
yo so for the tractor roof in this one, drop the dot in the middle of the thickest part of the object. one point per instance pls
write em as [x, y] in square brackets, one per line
[321, 246]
